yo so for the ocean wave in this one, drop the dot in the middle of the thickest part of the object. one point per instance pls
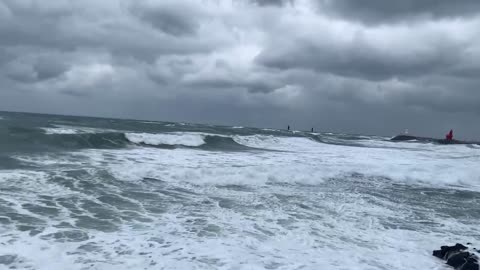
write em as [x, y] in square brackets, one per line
[473, 146]
[205, 141]
[209, 141]
[90, 140]
[201, 206]
[71, 138]
[62, 129]
[279, 143]
[302, 161]
[50, 131]
[62, 137]
[22, 139]
[185, 139]
[282, 192]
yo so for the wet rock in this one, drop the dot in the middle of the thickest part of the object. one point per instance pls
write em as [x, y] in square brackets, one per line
[458, 257]
[444, 251]
[470, 264]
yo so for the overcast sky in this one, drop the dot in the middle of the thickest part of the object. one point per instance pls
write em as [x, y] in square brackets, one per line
[369, 66]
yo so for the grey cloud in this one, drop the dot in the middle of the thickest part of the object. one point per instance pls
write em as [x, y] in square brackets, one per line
[271, 2]
[375, 11]
[437, 94]
[21, 73]
[48, 68]
[187, 72]
[251, 85]
[224, 76]
[359, 59]
[444, 94]
[67, 29]
[168, 70]
[75, 92]
[4, 56]
[175, 20]
[27, 24]
[191, 61]
[28, 68]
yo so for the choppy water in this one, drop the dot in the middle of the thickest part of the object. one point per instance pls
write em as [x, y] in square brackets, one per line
[85, 193]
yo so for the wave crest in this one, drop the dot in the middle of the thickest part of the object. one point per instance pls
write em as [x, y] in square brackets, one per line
[185, 139]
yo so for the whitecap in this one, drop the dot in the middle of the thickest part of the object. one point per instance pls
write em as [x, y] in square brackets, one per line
[186, 139]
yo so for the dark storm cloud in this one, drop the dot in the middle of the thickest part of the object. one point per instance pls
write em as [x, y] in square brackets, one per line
[68, 27]
[24, 67]
[271, 2]
[75, 92]
[25, 24]
[445, 94]
[263, 85]
[24, 76]
[359, 59]
[46, 69]
[4, 56]
[375, 11]
[335, 65]
[225, 76]
[172, 19]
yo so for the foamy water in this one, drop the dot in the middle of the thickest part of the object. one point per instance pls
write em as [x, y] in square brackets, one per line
[186, 139]
[63, 129]
[280, 202]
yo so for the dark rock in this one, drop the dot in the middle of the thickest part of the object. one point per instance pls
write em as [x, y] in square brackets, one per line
[458, 257]
[454, 250]
[470, 264]
[445, 251]
[438, 254]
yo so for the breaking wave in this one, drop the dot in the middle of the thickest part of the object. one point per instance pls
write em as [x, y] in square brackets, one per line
[51, 139]
[59, 138]
[185, 139]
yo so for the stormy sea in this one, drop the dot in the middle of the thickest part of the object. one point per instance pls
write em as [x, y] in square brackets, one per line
[92, 193]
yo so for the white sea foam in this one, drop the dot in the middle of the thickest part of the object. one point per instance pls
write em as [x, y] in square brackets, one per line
[29, 183]
[186, 139]
[308, 162]
[278, 143]
[63, 129]
[271, 225]
[309, 205]
[427, 164]
[50, 160]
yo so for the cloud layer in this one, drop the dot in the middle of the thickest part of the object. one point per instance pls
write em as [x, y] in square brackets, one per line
[353, 66]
